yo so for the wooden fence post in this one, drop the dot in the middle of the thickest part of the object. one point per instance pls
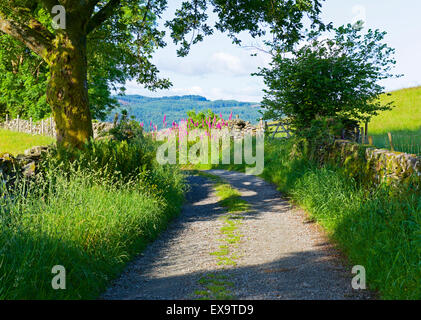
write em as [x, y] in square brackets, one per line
[370, 141]
[30, 125]
[18, 122]
[42, 127]
[391, 141]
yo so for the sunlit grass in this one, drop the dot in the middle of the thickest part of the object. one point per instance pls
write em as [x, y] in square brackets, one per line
[84, 217]
[17, 142]
[406, 116]
[403, 122]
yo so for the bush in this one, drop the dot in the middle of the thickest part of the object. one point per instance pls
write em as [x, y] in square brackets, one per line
[123, 154]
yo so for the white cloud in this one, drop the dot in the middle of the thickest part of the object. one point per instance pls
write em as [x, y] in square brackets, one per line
[250, 94]
[218, 63]
[360, 14]
[225, 63]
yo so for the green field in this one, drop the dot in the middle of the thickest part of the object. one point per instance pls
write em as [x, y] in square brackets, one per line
[17, 142]
[403, 122]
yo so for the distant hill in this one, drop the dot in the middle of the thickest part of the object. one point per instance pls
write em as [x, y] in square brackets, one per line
[147, 109]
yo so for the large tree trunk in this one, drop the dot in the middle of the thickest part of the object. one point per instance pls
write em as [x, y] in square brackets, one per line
[67, 91]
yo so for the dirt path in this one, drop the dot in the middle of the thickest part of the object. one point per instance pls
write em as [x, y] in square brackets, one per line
[280, 255]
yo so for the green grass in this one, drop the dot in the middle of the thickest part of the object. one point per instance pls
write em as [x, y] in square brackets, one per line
[16, 142]
[373, 228]
[215, 287]
[403, 121]
[81, 219]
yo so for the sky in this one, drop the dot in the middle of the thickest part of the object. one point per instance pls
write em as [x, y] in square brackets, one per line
[218, 69]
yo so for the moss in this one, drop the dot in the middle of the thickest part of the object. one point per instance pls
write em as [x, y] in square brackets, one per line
[369, 165]
[67, 92]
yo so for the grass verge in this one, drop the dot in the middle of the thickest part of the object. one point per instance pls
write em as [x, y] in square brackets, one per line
[83, 219]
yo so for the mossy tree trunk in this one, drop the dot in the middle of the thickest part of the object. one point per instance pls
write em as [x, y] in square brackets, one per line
[67, 91]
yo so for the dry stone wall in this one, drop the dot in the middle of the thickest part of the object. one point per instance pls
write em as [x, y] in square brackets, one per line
[376, 165]
[239, 128]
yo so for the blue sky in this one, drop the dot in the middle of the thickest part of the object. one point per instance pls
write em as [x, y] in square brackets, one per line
[217, 69]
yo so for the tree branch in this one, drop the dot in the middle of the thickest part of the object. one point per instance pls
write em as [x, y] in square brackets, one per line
[33, 39]
[102, 15]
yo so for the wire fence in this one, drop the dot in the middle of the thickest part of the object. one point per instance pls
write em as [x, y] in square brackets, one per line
[401, 142]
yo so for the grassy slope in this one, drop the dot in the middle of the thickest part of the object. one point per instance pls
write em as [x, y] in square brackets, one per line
[16, 142]
[404, 122]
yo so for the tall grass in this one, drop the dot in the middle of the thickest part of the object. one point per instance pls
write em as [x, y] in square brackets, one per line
[17, 142]
[374, 229]
[81, 219]
[377, 231]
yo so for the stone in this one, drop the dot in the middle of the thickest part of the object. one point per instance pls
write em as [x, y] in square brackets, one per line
[29, 170]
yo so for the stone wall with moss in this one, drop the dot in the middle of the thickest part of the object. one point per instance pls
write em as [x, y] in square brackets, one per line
[375, 165]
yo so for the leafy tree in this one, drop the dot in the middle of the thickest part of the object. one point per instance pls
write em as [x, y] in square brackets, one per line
[336, 77]
[24, 78]
[121, 36]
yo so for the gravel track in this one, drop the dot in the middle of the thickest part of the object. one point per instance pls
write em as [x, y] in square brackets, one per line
[281, 254]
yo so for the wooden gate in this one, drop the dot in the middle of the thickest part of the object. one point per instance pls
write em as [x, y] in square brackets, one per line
[282, 128]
